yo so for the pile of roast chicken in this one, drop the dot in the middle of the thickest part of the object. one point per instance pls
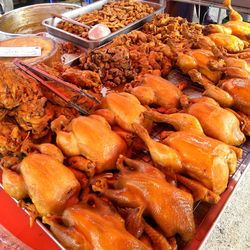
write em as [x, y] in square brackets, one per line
[127, 176]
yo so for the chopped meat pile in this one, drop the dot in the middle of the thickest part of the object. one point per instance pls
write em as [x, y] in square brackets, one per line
[115, 15]
[126, 57]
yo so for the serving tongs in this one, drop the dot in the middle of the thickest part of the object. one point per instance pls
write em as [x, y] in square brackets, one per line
[35, 72]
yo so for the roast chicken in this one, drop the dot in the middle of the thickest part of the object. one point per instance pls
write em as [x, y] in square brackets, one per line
[93, 225]
[211, 117]
[207, 160]
[38, 176]
[152, 89]
[91, 141]
[198, 59]
[140, 185]
[123, 109]
[234, 26]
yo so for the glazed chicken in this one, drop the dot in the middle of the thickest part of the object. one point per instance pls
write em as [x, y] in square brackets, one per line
[232, 92]
[38, 169]
[198, 59]
[229, 42]
[152, 89]
[123, 109]
[35, 176]
[205, 159]
[140, 185]
[90, 140]
[234, 26]
[93, 225]
[211, 116]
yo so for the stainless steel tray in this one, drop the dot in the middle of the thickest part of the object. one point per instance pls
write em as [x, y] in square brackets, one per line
[51, 24]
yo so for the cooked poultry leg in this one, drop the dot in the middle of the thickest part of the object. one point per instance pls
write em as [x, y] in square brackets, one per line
[180, 121]
[162, 155]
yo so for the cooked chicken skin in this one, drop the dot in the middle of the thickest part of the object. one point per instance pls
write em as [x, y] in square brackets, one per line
[38, 169]
[123, 109]
[142, 185]
[205, 159]
[94, 227]
[91, 137]
[153, 89]
[212, 117]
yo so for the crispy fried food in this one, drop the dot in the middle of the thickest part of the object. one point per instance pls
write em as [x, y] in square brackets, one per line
[115, 15]
[126, 57]
[11, 138]
[16, 88]
[174, 31]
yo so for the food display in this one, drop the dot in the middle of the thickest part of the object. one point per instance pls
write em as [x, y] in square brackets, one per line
[115, 15]
[131, 173]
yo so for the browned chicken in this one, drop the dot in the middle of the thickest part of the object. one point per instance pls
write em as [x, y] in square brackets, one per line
[123, 109]
[84, 78]
[152, 89]
[93, 225]
[140, 185]
[212, 116]
[92, 138]
[239, 89]
[205, 159]
[198, 59]
[163, 156]
[234, 26]
[61, 187]
[229, 42]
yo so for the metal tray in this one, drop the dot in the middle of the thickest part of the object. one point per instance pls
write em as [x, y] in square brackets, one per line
[51, 24]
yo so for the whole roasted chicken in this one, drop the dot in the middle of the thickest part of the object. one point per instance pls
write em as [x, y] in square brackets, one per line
[123, 109]
[140, 185]
[93, 225]
[35, 177]
[207, 160]
[89, 141]
[152, 89]
[211, 117]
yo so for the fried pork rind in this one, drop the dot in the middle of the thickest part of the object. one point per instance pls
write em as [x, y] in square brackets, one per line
[116, 15]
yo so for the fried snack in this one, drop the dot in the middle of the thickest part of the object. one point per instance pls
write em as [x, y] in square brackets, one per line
[116, 15]
[126, 57]
[173, 30]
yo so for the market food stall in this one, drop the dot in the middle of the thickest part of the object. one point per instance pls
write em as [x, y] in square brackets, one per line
[121, 127]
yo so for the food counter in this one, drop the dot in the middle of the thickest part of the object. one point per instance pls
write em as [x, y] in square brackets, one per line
[124, 128]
